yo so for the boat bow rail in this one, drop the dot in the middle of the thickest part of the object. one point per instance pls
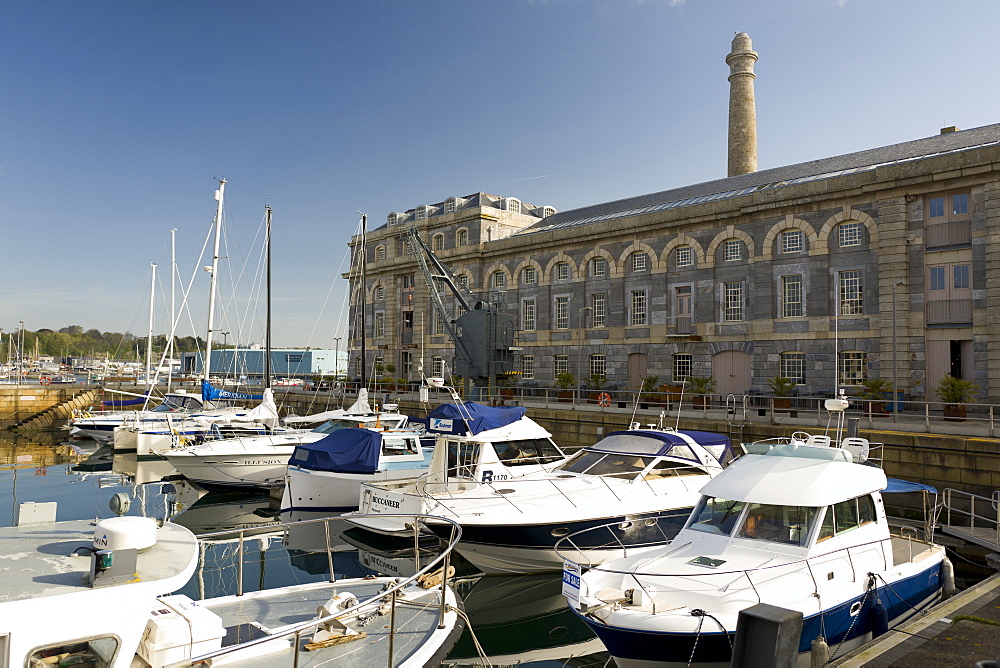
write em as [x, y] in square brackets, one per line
[894, 550]
[425, 576]
[534, 489]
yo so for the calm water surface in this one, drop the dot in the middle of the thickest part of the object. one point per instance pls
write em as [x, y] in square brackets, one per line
[517, 619]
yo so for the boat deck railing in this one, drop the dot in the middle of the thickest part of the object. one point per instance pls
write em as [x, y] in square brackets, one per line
[443, 491]
[971, 516]
[442, 562]
[894, 549]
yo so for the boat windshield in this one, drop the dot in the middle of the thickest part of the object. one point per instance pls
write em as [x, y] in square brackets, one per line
[527, 451]
[777, 524]
[360, 422]
[716, 515]
[603, 463]
[173, 402]
[400, 445]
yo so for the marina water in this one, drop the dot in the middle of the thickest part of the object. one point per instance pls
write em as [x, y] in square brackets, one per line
[520, 620]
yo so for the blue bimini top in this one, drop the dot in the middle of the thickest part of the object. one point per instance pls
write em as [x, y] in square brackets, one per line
[452, 418]
[343, 451]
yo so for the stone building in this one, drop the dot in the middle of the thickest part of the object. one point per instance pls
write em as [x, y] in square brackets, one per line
[881, 263]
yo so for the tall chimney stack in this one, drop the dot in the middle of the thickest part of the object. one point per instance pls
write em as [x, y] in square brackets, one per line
[742, 107]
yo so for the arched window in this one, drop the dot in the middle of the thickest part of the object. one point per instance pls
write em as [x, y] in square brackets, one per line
[562, 271]
[379, 253]
[529, 276]
[793, 241]
[640, 261]
[462, 237]
[438, 242]
[732, 250]
[684, 256]
[599, 267]
[499, 280]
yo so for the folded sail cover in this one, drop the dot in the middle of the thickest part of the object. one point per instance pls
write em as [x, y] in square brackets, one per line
[344, 451]
[452, 418]
[125, 402]
[210, 393]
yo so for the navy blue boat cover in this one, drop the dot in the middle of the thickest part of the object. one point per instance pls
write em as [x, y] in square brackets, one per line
[452, 418]
[666, 441]
[897, 486]
[343, 451]
[124, 402]
[209, 393]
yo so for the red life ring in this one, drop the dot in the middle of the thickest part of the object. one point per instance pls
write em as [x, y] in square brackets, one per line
[44, 380]
[604, 399]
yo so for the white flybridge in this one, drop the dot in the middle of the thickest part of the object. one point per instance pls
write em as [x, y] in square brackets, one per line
[474, 443]
[99, 596]
[796, 523]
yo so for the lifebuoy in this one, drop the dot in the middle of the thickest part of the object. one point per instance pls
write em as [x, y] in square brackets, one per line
[44, 380]
[604, 399]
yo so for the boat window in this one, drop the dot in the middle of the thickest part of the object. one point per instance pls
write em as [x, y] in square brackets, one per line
[331, 426]
[462, 458]
[666, 468]
[635, 443]
[93, 652]
[777, 524]
[847, 515]
[866, 510]
[527, 451]
[714, 515]
[683, 451]
[399, 446]
[580, 462]
[171, 403]
[623, 466]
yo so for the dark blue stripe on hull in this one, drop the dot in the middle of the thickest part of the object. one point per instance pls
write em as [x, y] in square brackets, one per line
[319, 509]
[836, 624]
[641, 530]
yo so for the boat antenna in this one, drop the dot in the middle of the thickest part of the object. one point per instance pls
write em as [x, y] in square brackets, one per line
[635, 405]
[677, 424]
[267, 325]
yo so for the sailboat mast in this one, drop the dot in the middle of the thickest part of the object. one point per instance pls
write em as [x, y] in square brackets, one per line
[149, 336]
[364, 301]
[173, 311]
[267, 331]
[214, 271]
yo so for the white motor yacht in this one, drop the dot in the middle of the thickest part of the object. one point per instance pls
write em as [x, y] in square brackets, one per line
[639, 483]
[794, 525]
[73, 593]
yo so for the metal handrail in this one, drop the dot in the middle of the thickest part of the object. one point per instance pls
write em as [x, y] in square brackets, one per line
[561, 549]
[297, 629]
[993, 503]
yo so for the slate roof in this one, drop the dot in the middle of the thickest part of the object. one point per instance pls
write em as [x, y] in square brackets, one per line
[744, 184]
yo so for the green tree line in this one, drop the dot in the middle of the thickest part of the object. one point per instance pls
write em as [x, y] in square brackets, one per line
[75, 341]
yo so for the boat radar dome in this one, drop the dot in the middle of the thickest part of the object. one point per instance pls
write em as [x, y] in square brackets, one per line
[838, 405]
[128, 531]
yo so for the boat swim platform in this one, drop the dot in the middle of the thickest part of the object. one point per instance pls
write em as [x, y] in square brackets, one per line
[957, 632]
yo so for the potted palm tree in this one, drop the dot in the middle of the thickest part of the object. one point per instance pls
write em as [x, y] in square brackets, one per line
[874, 391]
[955, 393]
[565, 382]
[701, 387]
[648, 391]
[597, 381]
[782, 388]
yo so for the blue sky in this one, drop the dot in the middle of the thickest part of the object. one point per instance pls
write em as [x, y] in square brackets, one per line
[116, 116]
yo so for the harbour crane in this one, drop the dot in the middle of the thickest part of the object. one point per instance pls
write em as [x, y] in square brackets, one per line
[483, 334]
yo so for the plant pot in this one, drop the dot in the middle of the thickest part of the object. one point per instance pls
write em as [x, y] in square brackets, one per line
[565, 396]
[782, 404]
[701, 401]
[954, 412]
[877, 409]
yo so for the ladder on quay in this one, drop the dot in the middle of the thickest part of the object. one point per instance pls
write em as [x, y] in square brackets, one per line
[971, 517]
